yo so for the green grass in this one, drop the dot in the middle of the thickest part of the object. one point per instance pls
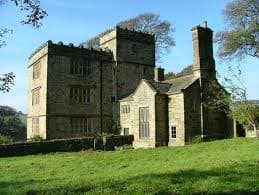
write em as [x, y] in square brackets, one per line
[226, 166]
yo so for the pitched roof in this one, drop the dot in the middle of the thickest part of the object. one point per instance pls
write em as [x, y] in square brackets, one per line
[166, 87]
[180, 83]
[159, 86]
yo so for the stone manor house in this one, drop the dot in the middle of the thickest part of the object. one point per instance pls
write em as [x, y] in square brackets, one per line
[75, 91]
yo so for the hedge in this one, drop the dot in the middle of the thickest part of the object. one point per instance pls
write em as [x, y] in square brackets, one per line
[65, 145]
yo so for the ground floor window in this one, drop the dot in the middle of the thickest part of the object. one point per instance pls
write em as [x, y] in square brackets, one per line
[173, 131]
[80, 125]
[126, 131]
[143, 122]
[35, 125]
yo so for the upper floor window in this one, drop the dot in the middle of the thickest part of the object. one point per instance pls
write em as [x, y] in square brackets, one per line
[36, 96]
[80, 95]
[36, 70]
[134, 49]
[80, 67]
[82, 125]
[144, 71]
[173, 132]
[125, 109]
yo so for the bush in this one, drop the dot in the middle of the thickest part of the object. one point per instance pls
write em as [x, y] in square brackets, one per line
[196, 139]
[36, 138]
[5, 139]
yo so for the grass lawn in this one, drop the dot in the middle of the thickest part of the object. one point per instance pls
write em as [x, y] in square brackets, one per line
[226, 166]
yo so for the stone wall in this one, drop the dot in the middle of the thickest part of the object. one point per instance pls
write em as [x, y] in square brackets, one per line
[65, 145]
[38, 110]
[162, 133]
[192, 111]
[57, 80]
[144, 96]
[176, 118]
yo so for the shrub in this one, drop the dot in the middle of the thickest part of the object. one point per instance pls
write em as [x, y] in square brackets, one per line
[196, 139]
[5, 139]
[36, 138]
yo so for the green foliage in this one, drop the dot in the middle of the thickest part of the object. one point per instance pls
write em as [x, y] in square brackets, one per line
[242, 37]
[6, 80]
[220, 167]
[247, 114]
[5, 139]
[196, 139]
[149, 23]
[116, 127]
[11, 124]
[36, 138]
[169, 75]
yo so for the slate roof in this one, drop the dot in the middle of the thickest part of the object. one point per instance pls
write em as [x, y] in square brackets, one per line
[180, 83]
[159, 86]
[168, 87]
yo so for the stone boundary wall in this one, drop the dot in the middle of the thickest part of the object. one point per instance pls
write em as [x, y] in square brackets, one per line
[65, 145]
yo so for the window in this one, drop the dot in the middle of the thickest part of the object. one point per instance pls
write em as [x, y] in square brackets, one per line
[144, 71]
[126, 131]
[125, 109]
[80, 68]
[35, 96]
[80, 125]
[134, 49]
[173, 131]
[36, 71]
[35, 126]
[143, 122]
[80, 95]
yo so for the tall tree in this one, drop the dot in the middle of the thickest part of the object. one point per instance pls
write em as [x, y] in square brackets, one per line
[149, 23]
[241, 38]
[234, 101]
[34, 16]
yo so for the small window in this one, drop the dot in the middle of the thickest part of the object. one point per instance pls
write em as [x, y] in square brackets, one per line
[173, 131]
[144, 71]
[36, 71]
[134, 49]
[126, 131]
[125, 109]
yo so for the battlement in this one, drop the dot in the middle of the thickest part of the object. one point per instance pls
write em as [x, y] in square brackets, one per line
[71, 50]
[127, 34]
[133, 35]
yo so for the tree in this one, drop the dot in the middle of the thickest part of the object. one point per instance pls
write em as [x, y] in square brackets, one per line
[241, 39]
[5, 81]
[169, 75]
[34, 16]
[233, 101]
[149, 23]
[11, 124]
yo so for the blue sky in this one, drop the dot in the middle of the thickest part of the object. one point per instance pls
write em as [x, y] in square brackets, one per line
[78, 20]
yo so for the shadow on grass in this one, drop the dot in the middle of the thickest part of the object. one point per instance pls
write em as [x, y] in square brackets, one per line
[236, 179]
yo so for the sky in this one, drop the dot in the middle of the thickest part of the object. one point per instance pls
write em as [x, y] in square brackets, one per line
[78, 20]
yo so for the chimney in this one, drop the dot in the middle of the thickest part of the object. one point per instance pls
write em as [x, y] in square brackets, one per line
[203, 60]
[159, 74]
